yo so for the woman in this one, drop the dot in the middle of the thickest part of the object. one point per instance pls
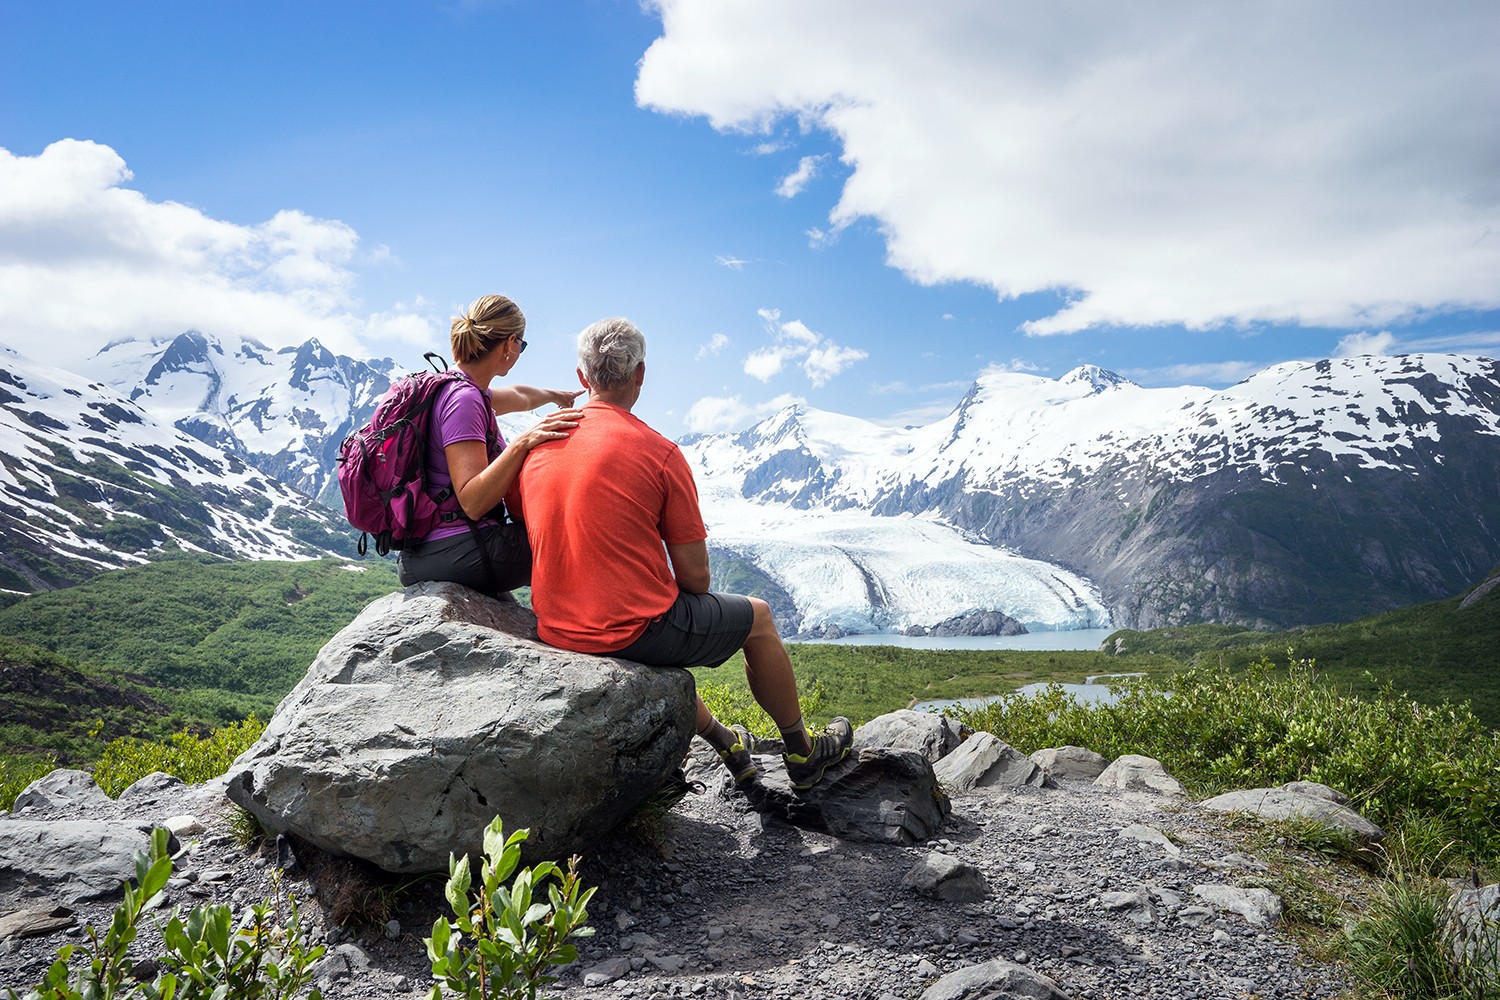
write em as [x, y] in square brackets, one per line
[491, 554]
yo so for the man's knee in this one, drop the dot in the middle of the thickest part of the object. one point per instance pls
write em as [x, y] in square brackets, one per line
[763, 621]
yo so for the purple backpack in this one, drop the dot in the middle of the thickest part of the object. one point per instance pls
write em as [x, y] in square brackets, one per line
[383, 466]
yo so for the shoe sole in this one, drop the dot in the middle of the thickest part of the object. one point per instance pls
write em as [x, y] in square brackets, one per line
[824, 770]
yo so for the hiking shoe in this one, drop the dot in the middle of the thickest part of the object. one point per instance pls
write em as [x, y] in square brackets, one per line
[738, 757]
[828, 748]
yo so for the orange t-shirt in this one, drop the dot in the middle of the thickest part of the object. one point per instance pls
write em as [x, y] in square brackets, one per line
[598, 507]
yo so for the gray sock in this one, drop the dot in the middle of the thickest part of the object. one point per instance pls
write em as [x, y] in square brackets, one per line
[719, 736]
[796, 739]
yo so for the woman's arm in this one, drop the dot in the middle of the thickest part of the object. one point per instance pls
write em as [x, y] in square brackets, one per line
[515, 398]
[480, 485]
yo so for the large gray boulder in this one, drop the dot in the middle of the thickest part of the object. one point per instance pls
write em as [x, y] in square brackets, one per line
[983, 760]
[437, 709]
[1295, 802]
[996, 979]
[931, 735]
[67, 860]
[876, 795]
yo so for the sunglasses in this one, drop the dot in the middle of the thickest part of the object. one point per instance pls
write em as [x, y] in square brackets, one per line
[522, 348]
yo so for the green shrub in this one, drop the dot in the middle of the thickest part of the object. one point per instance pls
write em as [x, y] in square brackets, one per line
[516, 937]
[733, 705]
[19, 770]
[188, 756]
[1215, 729]
[207, 956]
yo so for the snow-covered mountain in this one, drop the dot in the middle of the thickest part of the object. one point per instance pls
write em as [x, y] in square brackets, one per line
[89, 480]
[1310, 492]
[285, 411]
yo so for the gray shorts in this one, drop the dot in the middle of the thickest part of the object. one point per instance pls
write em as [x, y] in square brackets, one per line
[457, 559]
[698, 630]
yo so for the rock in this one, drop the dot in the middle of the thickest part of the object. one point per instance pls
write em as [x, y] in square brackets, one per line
[877, 795]
[34, 923]
[1150, 835]
[1074, 763]
[605, 972]
[62, 788]
[1318, 790]
[1261, 907]
[941, 876]
[1473, 938]
[1135, 906]
[978, 622]
[982, 760]
[68, 860]
[436, 709]
[184, 826]
[933, 736]
[153, 786]
[1286, 804]
[1134, 773]
[996, 979]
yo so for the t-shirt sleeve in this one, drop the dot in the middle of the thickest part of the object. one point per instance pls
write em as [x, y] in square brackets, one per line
[681, 519]
[461, 416]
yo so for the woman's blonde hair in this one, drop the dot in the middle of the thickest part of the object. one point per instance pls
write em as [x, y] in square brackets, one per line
[490, 320]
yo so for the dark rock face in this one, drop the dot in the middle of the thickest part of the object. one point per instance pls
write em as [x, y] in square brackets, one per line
[437, 709]
[978, 622]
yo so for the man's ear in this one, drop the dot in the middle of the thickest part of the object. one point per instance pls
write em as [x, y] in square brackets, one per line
[640, 374]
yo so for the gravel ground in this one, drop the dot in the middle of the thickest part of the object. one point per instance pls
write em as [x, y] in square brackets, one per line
[725, 904]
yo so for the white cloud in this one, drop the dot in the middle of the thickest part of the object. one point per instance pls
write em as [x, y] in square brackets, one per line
[793, 183]
[1356, 344]
[85, 260]
[821, 358]
[1013, 365]
[824, 362]
[733, 263]
[1329, 164]
[1207, 373]
[712, 414]
[713, 346]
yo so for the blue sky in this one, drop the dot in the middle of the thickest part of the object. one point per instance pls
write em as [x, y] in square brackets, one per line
[862, 204]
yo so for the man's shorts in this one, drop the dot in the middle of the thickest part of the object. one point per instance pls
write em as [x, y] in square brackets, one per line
[698, 630]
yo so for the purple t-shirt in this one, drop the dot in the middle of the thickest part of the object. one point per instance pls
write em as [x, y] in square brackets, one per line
[458, 414]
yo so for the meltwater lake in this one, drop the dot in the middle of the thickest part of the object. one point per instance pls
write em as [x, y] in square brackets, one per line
[1094, 690]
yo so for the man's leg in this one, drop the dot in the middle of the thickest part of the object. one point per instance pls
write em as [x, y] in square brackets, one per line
[773, 685]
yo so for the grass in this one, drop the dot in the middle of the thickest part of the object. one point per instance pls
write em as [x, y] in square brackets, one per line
[862, 682]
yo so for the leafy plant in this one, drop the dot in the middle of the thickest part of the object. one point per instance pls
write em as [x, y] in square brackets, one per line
[209, 958]
[515, 936]
[261, 958]
[188, 756]
[1216, 729]
[17, 771]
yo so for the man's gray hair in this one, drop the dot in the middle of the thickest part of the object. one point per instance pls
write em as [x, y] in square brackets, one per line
[609, 352]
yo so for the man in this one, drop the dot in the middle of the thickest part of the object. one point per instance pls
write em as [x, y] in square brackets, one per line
[620, 562]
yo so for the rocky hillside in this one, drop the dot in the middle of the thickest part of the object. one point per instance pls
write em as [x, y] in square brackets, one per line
[90, 481]
[284, 412]
[1310, 492]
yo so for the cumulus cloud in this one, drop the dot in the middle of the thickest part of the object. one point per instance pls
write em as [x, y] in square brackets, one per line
[712, 414]
[1356, 344]
[1328, 164]
[713, 346]
[793, 183]
[792, 341]
[85, 260]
